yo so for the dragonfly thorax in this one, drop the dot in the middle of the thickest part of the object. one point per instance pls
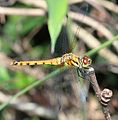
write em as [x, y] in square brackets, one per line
[71, 59]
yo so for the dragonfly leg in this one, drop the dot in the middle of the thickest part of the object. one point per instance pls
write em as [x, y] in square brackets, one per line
[81, 72]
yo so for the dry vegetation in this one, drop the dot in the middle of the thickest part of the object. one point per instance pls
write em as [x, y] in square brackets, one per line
[32, 93]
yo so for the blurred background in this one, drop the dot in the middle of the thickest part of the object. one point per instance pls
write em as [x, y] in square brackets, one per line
[44, 29]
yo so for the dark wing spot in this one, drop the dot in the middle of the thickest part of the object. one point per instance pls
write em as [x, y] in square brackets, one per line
[43, 63]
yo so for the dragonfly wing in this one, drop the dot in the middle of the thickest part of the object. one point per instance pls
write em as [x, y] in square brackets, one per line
[80, 90]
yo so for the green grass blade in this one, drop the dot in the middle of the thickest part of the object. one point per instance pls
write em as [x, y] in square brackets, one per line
[104, 45]
[38, 82]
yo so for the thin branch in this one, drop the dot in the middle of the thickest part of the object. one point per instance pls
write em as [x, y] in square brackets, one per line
[22, 11]
[38, 3]
[94, 24]
[29, 107]
[107, 4]
[103, 96]
[91, 22]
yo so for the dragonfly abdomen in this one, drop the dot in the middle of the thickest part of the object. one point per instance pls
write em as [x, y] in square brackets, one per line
[55, 61]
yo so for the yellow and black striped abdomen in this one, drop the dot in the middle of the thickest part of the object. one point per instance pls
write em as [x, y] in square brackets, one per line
[55, 61]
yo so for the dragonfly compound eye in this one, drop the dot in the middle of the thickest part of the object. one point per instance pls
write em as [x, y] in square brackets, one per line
[86, 61]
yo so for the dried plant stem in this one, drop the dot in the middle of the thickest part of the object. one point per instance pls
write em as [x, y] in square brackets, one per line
[90, 75]
[22, 11]
[29, 107]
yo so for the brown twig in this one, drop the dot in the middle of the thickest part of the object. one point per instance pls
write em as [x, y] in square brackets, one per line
[22, 11]
[37, 3]
[91, 22]
[29, 107]
[103, 96]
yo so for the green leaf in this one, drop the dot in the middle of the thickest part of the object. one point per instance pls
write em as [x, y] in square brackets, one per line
[4, 75]
[57, 10]
[22, 80]
[18, 26]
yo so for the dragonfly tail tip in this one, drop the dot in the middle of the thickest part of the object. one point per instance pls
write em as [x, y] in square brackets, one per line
[14, 62]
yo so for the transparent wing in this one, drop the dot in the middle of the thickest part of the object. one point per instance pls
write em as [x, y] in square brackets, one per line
[83, 9]
[67, 92]
[72, 90]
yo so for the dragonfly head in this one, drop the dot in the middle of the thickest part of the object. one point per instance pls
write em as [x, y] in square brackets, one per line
[86, 61]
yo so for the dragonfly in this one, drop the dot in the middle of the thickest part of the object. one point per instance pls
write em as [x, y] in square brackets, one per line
[68, 59]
